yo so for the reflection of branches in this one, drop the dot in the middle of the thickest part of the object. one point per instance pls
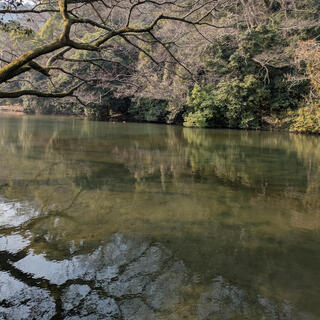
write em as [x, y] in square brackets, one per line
[39, 173]
[57, 291]
[76, 196]
[26, 278]
[45, 213]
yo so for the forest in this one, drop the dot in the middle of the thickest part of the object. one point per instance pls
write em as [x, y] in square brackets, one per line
[244, 64]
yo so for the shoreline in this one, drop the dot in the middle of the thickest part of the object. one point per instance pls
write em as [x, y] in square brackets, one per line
[18, 110]
[12, 109]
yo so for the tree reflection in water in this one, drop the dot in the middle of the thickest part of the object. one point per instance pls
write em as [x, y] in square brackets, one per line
[125, 278]
[155, 222]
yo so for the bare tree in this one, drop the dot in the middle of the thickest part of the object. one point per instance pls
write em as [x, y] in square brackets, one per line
[137, 23]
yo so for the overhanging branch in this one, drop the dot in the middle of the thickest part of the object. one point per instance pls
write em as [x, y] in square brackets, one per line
[29, 92]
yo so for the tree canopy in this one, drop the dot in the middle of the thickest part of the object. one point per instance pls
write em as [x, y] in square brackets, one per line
[90, 26]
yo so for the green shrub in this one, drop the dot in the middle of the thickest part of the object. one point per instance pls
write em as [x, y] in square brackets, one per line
[202, 110]
[233, 104]
[306, 119]
[144, 109]
[196, 119]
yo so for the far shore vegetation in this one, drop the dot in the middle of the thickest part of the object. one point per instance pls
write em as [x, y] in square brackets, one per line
[251, 64]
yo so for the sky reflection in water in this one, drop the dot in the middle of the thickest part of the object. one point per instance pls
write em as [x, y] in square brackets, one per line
[114, 221]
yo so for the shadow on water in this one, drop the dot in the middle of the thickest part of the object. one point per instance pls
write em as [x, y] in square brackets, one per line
[113, 221]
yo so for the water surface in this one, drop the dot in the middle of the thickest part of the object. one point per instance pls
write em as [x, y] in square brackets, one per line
[137, 221]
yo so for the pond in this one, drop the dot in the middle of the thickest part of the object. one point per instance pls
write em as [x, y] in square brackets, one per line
[144, 221]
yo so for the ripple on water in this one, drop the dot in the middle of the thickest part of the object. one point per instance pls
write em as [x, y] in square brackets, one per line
[15, 213]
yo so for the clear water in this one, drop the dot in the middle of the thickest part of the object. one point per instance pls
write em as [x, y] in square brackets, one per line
[138, 221]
